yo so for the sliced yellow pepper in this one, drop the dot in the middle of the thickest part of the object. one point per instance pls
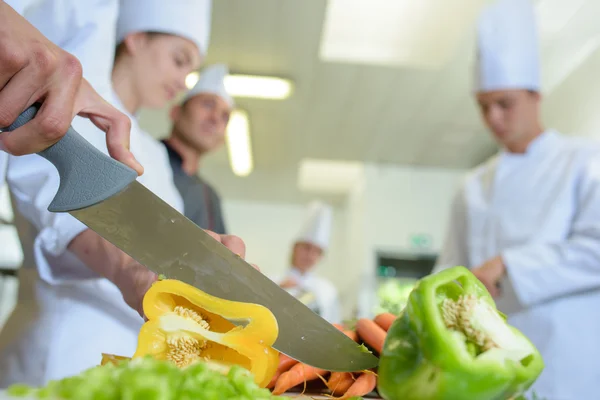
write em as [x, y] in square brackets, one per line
[186, 325]
[112, 359]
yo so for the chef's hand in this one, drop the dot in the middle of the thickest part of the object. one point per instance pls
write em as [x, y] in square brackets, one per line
[34, 69]
[135, 279]
[490, 274]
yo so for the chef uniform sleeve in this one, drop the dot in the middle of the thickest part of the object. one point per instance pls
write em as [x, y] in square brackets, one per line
[454, 251]
[33, 182]
[21, 6]
[539, 272]
[3, 162]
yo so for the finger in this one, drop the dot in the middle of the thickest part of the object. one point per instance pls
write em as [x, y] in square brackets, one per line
[234, 244]
[17, 93]
[54, 116]
[214, 235]
[13, 60]
[492, 289]
[114, 123]
[256, 267]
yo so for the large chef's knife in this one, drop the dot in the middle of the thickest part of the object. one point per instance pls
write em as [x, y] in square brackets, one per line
[105, 195]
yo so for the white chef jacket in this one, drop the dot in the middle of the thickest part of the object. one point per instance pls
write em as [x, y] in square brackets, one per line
[3, 161]
[326, 300]
[66, 315]
[541, 212]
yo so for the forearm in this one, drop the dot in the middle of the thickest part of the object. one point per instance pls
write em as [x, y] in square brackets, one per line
[100, 255]
[108, 261]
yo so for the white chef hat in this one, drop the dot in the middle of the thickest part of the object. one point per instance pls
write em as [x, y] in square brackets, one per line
[212, 80]
[316, 228]
[187, 18]
[507, 47]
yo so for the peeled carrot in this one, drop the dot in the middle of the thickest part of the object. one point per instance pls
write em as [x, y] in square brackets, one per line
[285, 363]
[299, 373]
[363, 385]
[371, 333]
[385, 320]
[352, 335]
[271, 384]
[340, 382]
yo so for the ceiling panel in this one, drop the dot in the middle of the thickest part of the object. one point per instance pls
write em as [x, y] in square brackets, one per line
[377, 114]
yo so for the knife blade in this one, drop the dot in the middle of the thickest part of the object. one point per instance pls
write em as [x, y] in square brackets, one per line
[105, 196]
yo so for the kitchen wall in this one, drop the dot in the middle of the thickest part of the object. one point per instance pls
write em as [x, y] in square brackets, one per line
[400, 202]
[384, 208]
[269, 230]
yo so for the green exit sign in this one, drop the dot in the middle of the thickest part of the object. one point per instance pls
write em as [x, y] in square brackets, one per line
[420, 241]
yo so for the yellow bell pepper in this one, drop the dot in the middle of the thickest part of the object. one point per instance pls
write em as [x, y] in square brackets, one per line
[185, 325]
[112, 359]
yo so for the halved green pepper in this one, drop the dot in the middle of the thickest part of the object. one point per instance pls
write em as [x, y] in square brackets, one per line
[451, 342]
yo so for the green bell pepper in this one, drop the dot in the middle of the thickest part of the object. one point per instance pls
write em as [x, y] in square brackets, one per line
[451, 342]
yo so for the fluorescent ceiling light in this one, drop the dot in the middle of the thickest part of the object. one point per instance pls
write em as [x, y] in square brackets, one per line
[262, 87]
[329, 176]
[258, 86]
[238, 143]
[192, 79]
[412, 33]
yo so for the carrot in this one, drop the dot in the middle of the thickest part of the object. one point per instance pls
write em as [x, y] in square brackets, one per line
[285, 363]
[371, 333]
[385, 320]
[340, 382]
[363, 385]
[352, 335]
[299, 373]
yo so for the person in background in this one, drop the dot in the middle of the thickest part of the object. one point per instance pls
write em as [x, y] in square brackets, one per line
[527, 221]
[32, 68]
[199, 124]
[79, 295]
[301, 281]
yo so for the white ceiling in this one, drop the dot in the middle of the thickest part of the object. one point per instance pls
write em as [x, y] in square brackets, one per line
[380, 114]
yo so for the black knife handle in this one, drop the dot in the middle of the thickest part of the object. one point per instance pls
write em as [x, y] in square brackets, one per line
[87, 175]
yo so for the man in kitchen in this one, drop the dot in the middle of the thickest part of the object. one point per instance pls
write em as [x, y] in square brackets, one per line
[199, 124]
[527, 221]
[311, 242]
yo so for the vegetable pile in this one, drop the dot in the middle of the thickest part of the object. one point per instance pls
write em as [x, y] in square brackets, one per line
[294, 376]
[151, 379]
[449, 342]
